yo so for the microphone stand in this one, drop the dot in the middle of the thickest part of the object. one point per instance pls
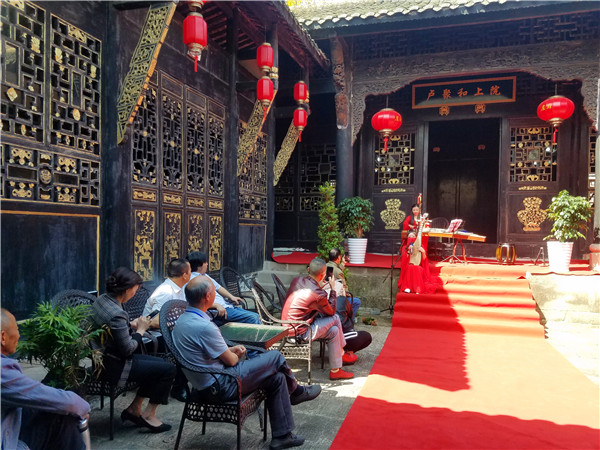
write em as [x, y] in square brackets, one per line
[395, 260]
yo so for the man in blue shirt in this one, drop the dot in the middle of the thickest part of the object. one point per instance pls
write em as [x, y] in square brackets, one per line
[40, 416]
[200, 342]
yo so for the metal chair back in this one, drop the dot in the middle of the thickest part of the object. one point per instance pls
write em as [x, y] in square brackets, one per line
[281, 291]
[197, 409]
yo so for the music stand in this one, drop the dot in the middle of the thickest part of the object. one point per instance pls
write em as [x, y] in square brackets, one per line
[395, 259]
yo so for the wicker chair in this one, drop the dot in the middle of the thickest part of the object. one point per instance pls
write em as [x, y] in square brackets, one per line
[94, 385]
[235, 411]
[281, 291]
[135, 306]
[72, 297]
[292, 347]
[231, 280]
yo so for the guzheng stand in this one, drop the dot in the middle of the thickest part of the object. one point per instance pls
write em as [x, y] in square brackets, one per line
[458, 241]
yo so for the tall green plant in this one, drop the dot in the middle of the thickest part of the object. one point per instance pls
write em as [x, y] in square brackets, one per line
[570, 215]
[328, 233]
[59, 338]
[356, 216]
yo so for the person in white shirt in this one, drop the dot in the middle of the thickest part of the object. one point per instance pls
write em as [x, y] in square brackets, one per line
[178, 273]
[227, 311]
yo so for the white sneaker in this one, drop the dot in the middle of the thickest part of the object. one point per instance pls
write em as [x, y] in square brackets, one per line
[407, 290]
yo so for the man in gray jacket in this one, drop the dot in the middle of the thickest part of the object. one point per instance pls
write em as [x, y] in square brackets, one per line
[40, 416]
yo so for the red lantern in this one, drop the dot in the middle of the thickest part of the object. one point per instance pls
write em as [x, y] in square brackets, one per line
[264, 92]
[194, 36]
[300, 92]
[300, 118]
[264, 57]
[554, 110]
[386, 122]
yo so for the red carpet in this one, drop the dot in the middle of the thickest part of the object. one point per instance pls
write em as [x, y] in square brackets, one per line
[371, 259]
[468, 368]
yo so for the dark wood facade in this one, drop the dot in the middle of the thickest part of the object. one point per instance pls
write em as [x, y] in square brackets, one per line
[103, 166]
[491, 163]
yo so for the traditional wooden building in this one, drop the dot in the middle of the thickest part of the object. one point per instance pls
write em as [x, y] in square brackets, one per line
[467, 77]
[115, 151]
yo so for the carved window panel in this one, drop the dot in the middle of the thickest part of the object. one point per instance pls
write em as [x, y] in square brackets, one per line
[284, 191]
[215, 240]
[196, 150]
[592, 140]
[397, 164]
[172, 232]
[284, 203]
[171, 142]
[44, 176]
[144, 243]
[145, 140]
[253, 207]
[317, 165]
[75, 87]
[216, 144]
[532, 155]
[22, 70]
[196, 226]
[253, 180]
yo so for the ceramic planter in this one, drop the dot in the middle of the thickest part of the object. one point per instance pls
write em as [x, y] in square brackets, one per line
[559, 255]
[357, 247]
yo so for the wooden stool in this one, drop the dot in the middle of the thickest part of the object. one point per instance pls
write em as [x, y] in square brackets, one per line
[506, 257]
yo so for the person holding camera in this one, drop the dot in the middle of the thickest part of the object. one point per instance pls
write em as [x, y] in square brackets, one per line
[123, 360]
[307, 301]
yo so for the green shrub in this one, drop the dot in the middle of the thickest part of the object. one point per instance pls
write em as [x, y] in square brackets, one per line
[570, 216]
[356, 216]
[328, 233]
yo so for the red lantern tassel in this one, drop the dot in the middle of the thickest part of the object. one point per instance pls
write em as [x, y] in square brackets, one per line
[196, 63]
[385, 139]
[300, 137]
[554, 135]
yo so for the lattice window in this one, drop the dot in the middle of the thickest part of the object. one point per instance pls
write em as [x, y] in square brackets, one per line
[592, 141]
[284, 191]
[532, 154]
[145, 140]
[44, 176]
[253, 180]
[171, 143]
[22, 71]
[317, 165]
[216, 126]
[75, 85]
[196, 149]
[572, 27]
[397, 164]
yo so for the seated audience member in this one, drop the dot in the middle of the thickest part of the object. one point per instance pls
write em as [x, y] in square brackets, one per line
[178, 274]
[40, 416]
[305, 300]
[226, 311]
[337, 263]
[355, 340]
[122, 360]
[200, 342]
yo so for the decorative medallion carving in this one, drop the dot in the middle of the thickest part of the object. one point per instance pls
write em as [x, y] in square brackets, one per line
[144, 195]
[532, 216]
[392, 215]
[195, 232]
[215, 240]
[171, 236]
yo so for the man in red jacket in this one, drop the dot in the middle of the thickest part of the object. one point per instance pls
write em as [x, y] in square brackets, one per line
[307, 301]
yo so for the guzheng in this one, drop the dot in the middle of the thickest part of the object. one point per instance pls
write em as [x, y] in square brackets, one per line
[441, 232]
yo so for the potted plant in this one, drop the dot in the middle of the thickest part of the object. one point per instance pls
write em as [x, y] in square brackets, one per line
[570, 216]
[356, 218]
[59, 338]
[328, 232]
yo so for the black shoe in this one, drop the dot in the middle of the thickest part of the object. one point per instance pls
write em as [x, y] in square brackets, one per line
[137, 420]
[287, 441]
[310, 393]
[179, 394]
[158, 429]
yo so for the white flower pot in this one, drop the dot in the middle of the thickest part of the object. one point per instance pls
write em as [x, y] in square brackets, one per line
[559, 255]
[357, 247]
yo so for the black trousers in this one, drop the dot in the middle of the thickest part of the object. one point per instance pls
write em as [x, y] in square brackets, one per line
[355, 343]
[49, 431]
[155, 376]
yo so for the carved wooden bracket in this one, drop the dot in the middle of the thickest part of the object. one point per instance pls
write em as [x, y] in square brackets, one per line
[287, 148]
[142, 64]
[248, 139]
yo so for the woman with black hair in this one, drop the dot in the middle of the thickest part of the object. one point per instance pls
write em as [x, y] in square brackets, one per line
[123, 360]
